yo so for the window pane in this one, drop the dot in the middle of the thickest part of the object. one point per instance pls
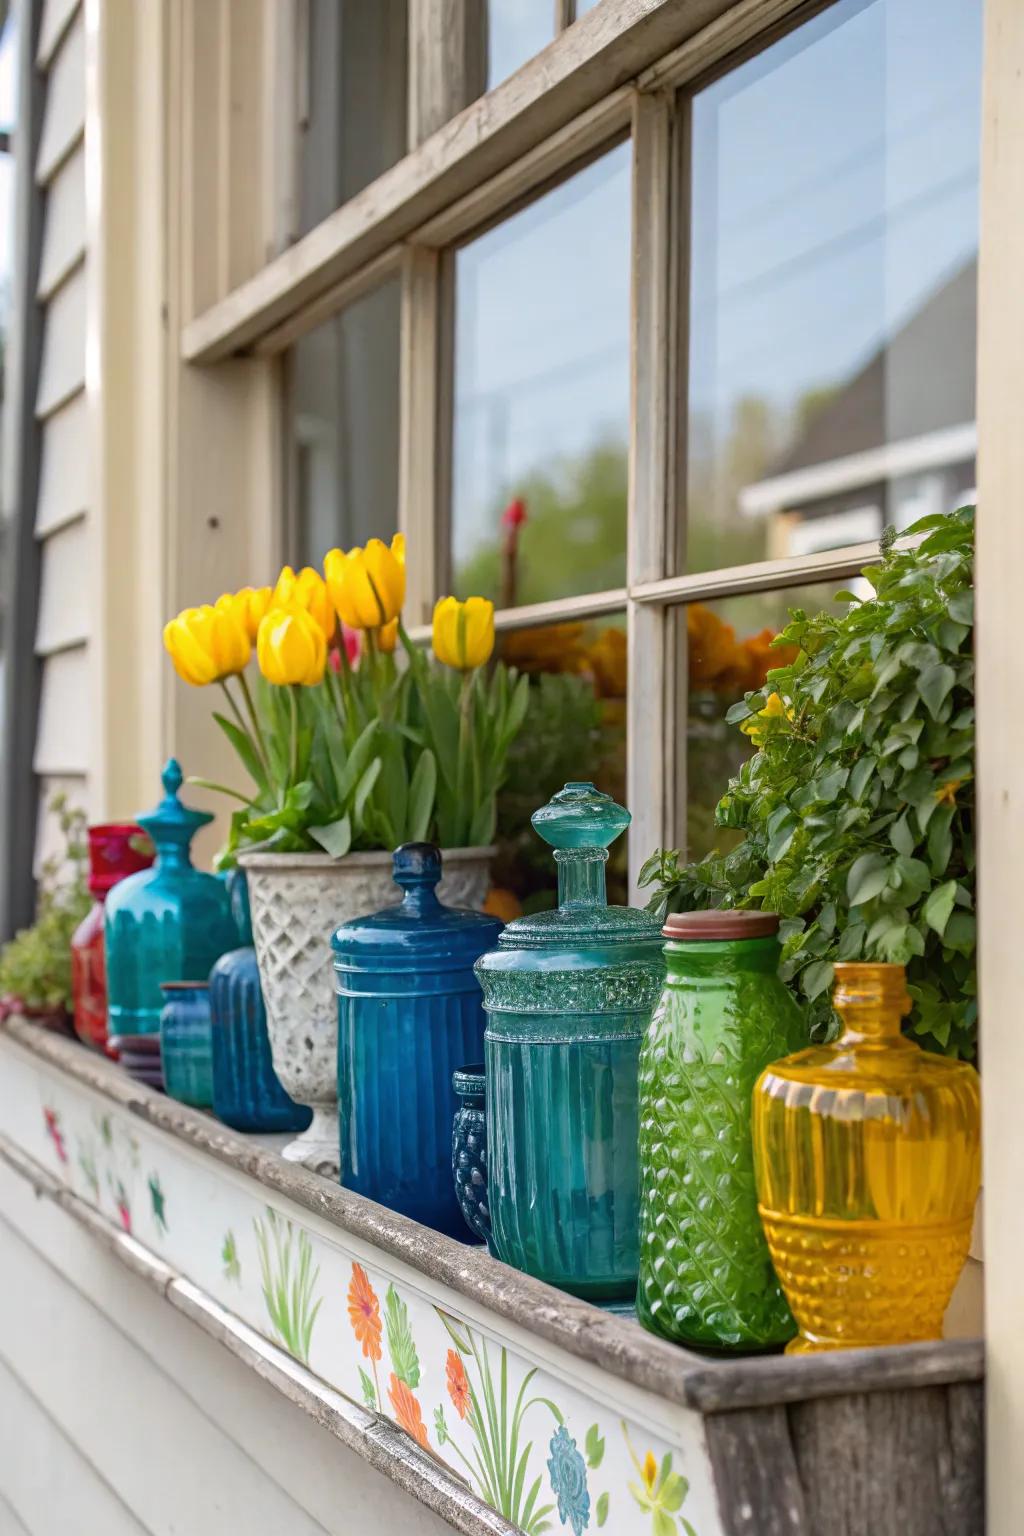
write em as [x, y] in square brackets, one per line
[542, 394]
[728, 652]
[516, 30]
[343, 427]
[351, 111]
[832, 295]
[575, 729]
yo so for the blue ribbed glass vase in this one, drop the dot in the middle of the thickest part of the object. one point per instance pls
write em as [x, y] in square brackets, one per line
[185, 1043]
[409, 1014]
[246, 1092]
[568, 996]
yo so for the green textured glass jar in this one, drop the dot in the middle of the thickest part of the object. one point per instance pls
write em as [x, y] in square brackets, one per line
[568, 996]
[706, 1278]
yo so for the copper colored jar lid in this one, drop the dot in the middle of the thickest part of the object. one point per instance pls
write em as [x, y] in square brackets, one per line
[691, 927]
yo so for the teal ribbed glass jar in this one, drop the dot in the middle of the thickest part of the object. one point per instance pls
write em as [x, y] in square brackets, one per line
[706, 1278]
[568, 996]
[167, 923]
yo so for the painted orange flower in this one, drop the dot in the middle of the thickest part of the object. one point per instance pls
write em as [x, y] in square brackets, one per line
[407, 1411]
[364, 1312]
[458, 1386]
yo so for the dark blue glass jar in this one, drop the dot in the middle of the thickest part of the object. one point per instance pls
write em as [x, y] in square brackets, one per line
[185, 1043]
[409, 1013]
[246, 1092]
[469, 1150]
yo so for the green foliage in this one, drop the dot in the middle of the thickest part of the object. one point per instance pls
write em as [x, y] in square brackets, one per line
[35, 967]
[289, 1282]
[401, 1345]
[857, 811]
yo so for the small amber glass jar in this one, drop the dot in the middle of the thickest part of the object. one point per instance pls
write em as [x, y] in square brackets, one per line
[867, 1156]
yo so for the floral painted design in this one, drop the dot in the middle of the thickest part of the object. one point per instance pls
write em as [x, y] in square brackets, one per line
[120, 1194]
[106, 1130]
[407, 1411]
[364, 1312]
[458, 1384]
[660, 1491]
[87, 1164]
[230, 1260]
[51, 1119]
[289, 1281]
[158, 1201]
[568, 1475]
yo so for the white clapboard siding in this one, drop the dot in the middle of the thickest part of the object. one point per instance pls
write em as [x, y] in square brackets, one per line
[64, 109]
[63, 470]
[63, 590]
[51, 1487]
[63, 224]
[56, 15]
[112, 1352]
[10, 1525]
[62, 740]
[62, 366]
[49, 843]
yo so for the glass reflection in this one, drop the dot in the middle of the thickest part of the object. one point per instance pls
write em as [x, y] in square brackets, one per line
[542, 395]
[833, 278]
[729, 648]
[516, 30]
[575, 729]
[343, 428]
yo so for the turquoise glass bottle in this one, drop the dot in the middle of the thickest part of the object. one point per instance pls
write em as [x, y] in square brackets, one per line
[409, 1013]
[568, 995]
[247, 1094]
[706, 1277]
[167, 923]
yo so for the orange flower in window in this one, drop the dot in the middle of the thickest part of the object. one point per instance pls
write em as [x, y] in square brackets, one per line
[364, 1312]
[407, 1411]
[458, 1386]
[711, 646]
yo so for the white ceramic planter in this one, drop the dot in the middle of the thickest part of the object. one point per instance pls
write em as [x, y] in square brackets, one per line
[297, 900]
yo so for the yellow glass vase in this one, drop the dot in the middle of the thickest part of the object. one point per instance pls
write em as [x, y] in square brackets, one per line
[868, 1159]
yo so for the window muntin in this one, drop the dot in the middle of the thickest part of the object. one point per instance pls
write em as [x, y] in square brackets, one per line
[834, 196]
[541, 396]
[342, 427]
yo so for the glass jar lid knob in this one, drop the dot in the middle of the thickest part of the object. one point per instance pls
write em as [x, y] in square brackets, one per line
[579, 823]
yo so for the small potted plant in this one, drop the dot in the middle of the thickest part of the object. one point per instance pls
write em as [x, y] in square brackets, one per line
[352, 746]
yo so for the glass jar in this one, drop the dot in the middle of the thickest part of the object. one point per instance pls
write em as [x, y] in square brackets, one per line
[186, 1043]
[568, 995]
[409, 1013]
[469, 1150]
[247, 1094]
[868, 1163]
[116, 850]
[706, 1278]
[167, 923]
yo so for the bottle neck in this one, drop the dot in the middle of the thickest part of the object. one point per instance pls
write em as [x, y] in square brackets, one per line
[171, 855]
[420, 900]
[581, 881]
[871, 1000]
[712, 958]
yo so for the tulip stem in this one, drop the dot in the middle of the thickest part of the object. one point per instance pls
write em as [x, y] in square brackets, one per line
[239, 717]
[261, 744]
[294, 702]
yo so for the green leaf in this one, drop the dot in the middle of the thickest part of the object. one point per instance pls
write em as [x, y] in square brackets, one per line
[368, 1389]
[364, 788]
[594, 1446]
[816, 978]
[674, 1491]
[401, 1346]
[961, 607]
[934, 684]
[940, 839]
[867, 877]
[335, 838]
[421, 797]
[663, 1524]
[901, 837]
[938, 907]
[601, 1508]
[860, 773]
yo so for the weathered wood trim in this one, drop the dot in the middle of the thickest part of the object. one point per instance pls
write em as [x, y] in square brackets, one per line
[420, 436]
[614, 1344]
[447, 62]
[369, 1435]
[331, 303]
[764, 575]
[749, 22]
[604, 50]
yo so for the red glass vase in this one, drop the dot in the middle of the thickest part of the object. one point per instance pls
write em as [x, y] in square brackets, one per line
[116, 849]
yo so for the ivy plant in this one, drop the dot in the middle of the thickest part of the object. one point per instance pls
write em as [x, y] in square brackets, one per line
[857, 807]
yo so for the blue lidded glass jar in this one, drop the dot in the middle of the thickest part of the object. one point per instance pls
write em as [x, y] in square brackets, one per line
[185, 1043]
[166, 923]
[469, 1150]
[569, 995]
[409, 1014]
[247, 1094]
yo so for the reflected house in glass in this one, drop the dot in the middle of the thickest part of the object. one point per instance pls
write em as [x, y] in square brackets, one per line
[894, 443]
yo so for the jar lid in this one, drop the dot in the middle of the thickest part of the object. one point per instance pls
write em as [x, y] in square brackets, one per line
[116, 849]
[419, 934]
[720, 923]
[171, 821]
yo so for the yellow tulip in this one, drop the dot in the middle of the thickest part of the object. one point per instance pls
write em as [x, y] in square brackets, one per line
[291, 647]
[306, 590]
[207, 644]
[248, 605]
[367, 586]
[387, 636]
[463, 632]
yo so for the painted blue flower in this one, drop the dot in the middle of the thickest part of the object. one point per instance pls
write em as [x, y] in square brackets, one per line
[568, 1473]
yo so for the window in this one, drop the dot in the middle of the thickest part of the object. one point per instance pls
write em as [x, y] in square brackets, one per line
[648, 347]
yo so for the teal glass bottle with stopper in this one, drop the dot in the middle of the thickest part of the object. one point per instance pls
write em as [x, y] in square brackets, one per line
[568, 995]
[166, 923]
[706, 1277]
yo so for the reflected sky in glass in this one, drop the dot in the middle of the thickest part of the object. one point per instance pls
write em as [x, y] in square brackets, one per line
[516, 30]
